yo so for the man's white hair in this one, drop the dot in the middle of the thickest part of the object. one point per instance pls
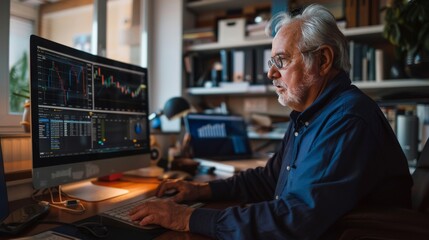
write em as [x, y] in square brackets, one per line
[318, 27]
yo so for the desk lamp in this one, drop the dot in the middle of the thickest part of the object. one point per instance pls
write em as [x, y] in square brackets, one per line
[175, 107]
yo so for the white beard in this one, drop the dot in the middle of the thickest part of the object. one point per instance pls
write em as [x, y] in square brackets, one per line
[294, 96]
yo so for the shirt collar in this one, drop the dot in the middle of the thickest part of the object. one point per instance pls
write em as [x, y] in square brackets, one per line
[334, 86]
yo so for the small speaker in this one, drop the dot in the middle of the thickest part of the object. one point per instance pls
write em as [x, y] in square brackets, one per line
[155, 154]
[407, 133]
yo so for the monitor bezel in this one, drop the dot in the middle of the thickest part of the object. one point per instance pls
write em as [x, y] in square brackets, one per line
[106, 161]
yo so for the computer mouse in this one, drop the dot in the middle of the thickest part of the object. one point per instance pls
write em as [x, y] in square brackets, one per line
[96, 229]
[176, 174]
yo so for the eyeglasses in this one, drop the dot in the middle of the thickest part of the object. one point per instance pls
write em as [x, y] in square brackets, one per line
[280, 61]
[277, 61]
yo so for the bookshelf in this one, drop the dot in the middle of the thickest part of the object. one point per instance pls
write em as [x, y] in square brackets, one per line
[374, 89]
[211, 5]
[218, 46]
[236, 97]
[367, 33]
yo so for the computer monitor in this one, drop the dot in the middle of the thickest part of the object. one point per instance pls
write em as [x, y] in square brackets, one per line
[89, 118]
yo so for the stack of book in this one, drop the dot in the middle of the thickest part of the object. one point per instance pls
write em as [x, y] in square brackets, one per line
[256, 30]
[199, 36]
[367, 62]
[361, 13]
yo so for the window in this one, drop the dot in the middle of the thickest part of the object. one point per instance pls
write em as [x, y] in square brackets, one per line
[20, 30]
[65, 23]
[73, 27]
[20, 23]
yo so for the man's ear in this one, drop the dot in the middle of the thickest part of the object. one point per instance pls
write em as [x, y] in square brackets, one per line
[326, 59]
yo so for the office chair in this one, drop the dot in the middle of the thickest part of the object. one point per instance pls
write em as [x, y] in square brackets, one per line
[387, 223]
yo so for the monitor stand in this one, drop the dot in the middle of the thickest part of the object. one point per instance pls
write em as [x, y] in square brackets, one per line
[90, 192]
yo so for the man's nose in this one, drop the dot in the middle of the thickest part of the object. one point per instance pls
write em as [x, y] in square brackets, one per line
[273, 73]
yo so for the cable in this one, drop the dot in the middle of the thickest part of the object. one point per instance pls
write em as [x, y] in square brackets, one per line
[66, 204]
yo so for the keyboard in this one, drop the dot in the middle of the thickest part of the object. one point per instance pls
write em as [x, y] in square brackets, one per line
[121, 213]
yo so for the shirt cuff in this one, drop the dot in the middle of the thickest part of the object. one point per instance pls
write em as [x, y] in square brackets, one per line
[203, 221]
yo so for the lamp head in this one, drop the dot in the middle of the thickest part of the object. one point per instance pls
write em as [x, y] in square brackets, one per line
[176, 107]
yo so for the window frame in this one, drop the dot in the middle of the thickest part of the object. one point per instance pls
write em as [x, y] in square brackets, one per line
[10, 122]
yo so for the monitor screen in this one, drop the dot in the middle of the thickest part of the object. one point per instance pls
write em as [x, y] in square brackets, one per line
[89, 115]
[218, 136]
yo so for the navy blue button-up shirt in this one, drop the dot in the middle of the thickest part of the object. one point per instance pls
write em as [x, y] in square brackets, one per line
[339, 153]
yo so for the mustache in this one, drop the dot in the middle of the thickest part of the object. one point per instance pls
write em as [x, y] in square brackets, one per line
[277, 83]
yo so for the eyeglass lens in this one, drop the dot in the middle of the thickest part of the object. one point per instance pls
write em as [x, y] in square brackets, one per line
[277, 61]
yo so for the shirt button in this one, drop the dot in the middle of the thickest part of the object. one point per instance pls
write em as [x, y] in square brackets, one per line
[277, 197]
[296, 134]
[288, 168]
[307, 123]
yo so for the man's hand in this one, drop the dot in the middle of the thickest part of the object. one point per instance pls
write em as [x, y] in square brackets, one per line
[163, 212]
[186, 191]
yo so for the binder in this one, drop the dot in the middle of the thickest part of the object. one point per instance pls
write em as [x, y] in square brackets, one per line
[249, 65]
[357, 62]
[262, 56]
[238, 59]
[225, 60]
[188, 61]
[371, 64]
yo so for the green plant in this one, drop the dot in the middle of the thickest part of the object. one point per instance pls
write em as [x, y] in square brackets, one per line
[18, 84]
[407, 26]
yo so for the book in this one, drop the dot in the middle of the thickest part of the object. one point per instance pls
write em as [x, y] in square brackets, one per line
[351, 7]
[371, 63]
[374, 9]
[267, 119]
[364, 12]
[249, 65]
[351, 58]
[261, 69]
[365, 63]
[199, 35]
[357, 62]
[422, 111]
[238, 59]
[379, 65]
[225, 60]
[256, 26]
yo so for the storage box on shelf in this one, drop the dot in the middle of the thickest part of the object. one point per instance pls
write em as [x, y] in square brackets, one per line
[231, 30]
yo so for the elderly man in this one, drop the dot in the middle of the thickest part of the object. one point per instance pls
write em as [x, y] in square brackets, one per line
[338, 153]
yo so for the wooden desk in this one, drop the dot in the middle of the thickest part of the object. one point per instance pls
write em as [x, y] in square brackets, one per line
[139, 188]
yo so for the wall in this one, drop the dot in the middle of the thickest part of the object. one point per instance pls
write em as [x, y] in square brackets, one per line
[64, 25]
[166, 61]
[16, 153]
